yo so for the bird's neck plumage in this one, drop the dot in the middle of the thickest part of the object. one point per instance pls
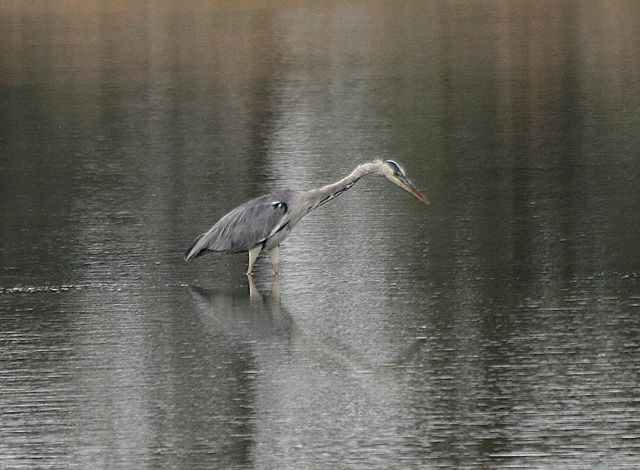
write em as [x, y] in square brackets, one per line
[320, 196]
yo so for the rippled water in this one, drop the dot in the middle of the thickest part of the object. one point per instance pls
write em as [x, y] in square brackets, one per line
[497, 328]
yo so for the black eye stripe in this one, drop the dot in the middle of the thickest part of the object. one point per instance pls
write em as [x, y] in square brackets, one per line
[396, 168]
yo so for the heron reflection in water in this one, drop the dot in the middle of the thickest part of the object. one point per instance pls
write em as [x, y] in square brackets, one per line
[263, 223]
[255, 318]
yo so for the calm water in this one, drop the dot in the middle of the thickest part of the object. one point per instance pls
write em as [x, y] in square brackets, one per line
[497, 328]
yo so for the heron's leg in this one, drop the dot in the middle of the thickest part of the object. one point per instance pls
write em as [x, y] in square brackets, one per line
[274, 253]
[253, 256]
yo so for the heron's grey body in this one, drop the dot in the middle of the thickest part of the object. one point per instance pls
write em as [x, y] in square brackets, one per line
[264, 222]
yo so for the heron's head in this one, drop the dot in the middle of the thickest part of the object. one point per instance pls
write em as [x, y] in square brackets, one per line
[395, 173]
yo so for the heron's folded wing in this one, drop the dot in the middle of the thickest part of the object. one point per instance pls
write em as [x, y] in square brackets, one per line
[246, 226]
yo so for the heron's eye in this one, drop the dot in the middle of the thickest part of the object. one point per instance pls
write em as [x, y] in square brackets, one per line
[395, 168]
[279, 205]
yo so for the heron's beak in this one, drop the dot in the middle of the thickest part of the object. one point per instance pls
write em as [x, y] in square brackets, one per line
[405, 183]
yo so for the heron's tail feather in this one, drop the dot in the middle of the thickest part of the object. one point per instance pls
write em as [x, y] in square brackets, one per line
[196, 249]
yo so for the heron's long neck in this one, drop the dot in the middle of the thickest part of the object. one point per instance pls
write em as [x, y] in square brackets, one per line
[318, 197]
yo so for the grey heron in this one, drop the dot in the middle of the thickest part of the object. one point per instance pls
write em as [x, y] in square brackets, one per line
[264, 222]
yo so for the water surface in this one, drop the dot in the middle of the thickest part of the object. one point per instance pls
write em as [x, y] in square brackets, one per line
[497, 328]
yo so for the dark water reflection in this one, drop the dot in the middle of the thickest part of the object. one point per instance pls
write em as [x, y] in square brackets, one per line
[498, 328]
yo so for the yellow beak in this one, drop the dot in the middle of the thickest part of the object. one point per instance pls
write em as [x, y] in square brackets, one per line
[405, 183]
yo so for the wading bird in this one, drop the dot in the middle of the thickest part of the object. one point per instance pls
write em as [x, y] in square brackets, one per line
[263, 223]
